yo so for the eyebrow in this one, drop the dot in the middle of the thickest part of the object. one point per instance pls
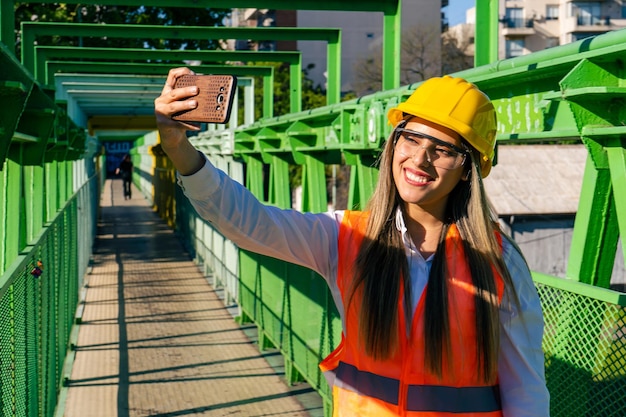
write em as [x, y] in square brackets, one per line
[434, 139]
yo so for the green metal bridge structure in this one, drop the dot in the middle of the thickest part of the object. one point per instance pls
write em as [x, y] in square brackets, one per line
[52, 172]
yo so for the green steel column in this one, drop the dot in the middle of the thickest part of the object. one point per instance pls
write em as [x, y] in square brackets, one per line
[333, 53]
[4, 181]
[34, 197]
[588, 254]
[295, 85]
[12, 204]
[61, 184]
[362, 180]
[279, 193]
[52, 190]
[486, 32]
[314, 197]
[268, 96]
[617, 164]
[254, 176]
[7, 23]
[392, 34]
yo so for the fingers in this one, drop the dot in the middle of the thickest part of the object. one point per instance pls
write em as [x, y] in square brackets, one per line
[173, 75]
[175, 100]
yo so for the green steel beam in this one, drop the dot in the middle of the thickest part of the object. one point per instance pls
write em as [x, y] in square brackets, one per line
[31, 30]
[353, 5]
[486, 33]
[294, 59]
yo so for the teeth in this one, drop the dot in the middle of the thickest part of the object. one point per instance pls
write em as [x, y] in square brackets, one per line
[416, 178]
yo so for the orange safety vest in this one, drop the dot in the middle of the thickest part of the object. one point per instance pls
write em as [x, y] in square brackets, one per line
[401, 385]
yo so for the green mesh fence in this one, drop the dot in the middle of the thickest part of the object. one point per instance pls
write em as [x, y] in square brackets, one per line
[585, 347]
[37, 312]
[294, 312]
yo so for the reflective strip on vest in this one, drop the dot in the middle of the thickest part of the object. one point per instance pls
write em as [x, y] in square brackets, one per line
[433, 398]
[366, 383]
[454, 400]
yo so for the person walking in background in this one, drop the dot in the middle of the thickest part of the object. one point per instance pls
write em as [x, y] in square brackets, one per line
[125, 170]
[440, 315]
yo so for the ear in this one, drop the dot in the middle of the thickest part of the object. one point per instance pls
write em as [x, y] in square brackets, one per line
[466, 174]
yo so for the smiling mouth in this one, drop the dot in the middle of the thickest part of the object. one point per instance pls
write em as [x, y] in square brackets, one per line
[417, 178]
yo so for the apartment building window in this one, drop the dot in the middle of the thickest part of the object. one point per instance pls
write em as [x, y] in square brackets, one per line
[587, 14]
[552, 12]
[514, 47]
[623, 11]
[514, 17]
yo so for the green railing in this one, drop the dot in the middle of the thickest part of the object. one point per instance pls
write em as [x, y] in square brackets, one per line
[585, 347]
[39, 296]
[50, 178]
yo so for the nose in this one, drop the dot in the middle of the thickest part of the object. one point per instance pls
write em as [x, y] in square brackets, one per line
[421, 156]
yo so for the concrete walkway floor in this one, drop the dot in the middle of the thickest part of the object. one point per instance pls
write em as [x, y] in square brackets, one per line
[156, 339]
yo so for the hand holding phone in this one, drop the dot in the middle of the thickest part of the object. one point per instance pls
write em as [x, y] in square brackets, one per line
[215, 98]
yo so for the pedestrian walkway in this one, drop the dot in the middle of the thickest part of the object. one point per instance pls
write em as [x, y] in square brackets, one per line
[157, 340]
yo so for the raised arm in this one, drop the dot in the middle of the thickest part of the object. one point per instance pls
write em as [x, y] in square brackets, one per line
[173, 134]
[306, 239]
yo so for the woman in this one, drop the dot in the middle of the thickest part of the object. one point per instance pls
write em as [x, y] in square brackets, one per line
[440, 315]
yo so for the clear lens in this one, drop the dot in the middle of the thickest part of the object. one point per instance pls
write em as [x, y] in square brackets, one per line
[438, 152]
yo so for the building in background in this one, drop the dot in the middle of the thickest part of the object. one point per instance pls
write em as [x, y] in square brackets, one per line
[361, 34]
[533, 25]
[541, 218]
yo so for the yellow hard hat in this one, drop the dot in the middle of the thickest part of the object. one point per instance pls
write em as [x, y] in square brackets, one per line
[458, 105]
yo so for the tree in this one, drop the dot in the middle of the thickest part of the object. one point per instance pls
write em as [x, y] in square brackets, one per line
[457, 49]
[424, 54]
[144, 15]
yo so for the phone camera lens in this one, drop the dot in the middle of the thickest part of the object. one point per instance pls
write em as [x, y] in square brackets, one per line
[218, 108]
[220, 98]
[221, 89]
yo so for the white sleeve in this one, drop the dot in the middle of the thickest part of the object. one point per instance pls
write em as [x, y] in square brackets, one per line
[305, 239]
[521, 363]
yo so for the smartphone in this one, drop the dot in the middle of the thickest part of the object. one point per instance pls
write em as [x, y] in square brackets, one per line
[215, 98]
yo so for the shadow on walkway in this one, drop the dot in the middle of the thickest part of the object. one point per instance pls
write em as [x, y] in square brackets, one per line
[156, 340]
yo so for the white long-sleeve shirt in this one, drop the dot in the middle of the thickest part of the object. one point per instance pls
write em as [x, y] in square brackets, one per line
[311, 240]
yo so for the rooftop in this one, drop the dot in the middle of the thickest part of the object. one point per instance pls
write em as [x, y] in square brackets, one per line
[536, 179]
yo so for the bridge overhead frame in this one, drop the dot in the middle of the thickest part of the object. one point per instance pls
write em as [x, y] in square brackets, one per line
[30, 32]
[143, 119]
[391, 10]
[294, 59]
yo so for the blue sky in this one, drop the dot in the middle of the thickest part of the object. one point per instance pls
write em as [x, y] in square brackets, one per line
[456, 10]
